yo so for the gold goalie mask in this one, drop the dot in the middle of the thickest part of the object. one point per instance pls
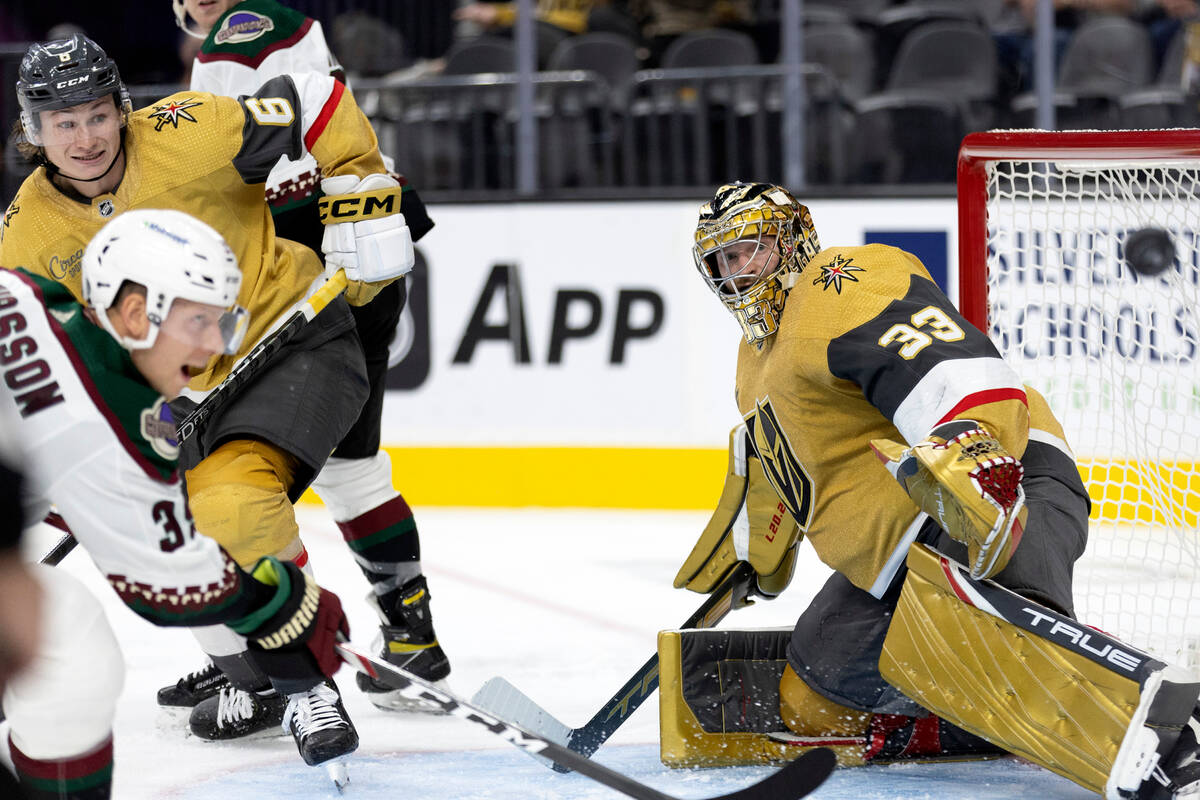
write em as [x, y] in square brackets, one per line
[751, 242]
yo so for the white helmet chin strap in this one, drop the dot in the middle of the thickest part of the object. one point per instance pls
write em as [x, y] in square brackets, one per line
[127, 342]
[181, 19]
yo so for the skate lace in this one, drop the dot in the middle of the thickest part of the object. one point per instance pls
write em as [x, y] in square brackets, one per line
[233, 705]
[312, 711]
[195, 677]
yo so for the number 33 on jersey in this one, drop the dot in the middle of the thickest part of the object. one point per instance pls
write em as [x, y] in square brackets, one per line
[867, 326]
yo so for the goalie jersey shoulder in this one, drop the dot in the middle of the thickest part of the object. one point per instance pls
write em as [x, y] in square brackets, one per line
[882, 324]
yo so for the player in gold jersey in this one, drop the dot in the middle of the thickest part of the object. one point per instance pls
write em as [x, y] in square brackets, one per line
[209, 156]
[887, 430]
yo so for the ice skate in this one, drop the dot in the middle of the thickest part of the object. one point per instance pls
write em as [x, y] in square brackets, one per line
[235, 714]
[409, 642]
[193, 688]
[318, 722]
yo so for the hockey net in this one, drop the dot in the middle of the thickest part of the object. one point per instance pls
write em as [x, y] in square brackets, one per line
[1043, 220]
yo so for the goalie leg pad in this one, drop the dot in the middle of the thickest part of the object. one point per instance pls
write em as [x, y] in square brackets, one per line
[1030, 680]
[726, 695]
[719, 699]
[239, 496]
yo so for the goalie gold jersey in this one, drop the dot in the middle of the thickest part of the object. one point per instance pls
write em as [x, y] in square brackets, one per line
[868, 347]
[208, 156]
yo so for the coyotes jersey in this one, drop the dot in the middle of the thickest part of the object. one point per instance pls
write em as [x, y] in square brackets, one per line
[253, 42]
[98, 443]
[868, 347]
[207, 156]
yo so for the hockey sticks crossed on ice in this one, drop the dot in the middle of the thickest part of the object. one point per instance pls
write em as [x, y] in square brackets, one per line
[796, 779]
[504, 699]
[245, 371]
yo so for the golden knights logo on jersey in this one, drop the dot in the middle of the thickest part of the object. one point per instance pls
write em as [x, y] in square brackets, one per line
[785, 472]
[12, 211]
[836, 271]
[173, 111]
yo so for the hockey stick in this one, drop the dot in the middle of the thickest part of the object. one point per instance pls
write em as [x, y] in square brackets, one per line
[246, 370]
[507, 700]
[64, 545]
[794, 780]
[262, 355]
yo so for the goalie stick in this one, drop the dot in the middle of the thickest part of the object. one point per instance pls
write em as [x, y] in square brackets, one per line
[795, 779]
[245, 371]
[504, 699]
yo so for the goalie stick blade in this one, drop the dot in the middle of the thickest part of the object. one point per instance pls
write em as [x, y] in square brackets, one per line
[735, 592]
[793, 781]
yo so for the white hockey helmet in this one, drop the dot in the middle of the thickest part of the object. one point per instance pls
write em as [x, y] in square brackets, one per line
[174, 256]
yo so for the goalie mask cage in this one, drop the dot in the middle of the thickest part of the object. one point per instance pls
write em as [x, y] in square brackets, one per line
[1043, 219]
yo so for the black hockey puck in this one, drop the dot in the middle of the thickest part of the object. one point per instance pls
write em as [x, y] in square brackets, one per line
[1149, 251]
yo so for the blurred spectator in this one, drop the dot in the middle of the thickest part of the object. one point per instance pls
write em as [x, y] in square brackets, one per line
[662, 21]
[556, 20]
[371, 47]
[1164, 19]
[1012, 28]
[375, 49]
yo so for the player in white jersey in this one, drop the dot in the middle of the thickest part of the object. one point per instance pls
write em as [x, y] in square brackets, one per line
[86, 387]
[20, 594]
[246, 43]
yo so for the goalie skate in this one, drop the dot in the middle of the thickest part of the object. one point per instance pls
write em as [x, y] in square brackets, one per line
[1173, 777]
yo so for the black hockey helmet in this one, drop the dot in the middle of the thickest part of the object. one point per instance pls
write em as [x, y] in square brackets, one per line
[64, 73]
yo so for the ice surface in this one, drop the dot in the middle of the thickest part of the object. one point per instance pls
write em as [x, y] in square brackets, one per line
[565, 604]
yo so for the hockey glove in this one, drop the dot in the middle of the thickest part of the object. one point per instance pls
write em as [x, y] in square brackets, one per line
[965, 479]
[365, 233]
[292, 637]
[749, 524]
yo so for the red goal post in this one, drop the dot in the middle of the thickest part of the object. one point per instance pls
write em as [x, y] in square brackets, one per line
[1043, 218]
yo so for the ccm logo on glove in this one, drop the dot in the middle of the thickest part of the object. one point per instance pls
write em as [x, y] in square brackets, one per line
[360, 205]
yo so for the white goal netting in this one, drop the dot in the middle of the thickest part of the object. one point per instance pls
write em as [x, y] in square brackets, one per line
[1117, 355]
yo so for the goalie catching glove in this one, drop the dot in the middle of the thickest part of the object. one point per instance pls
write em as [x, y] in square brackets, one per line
[292, 636]
[965, 479]
[365, 233]
[750, 524]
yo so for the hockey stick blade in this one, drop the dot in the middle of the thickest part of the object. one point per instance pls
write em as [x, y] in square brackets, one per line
[794, 780]
[501, 697]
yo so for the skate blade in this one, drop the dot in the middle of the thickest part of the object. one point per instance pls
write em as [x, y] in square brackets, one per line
[398, 703]
[337, 772]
